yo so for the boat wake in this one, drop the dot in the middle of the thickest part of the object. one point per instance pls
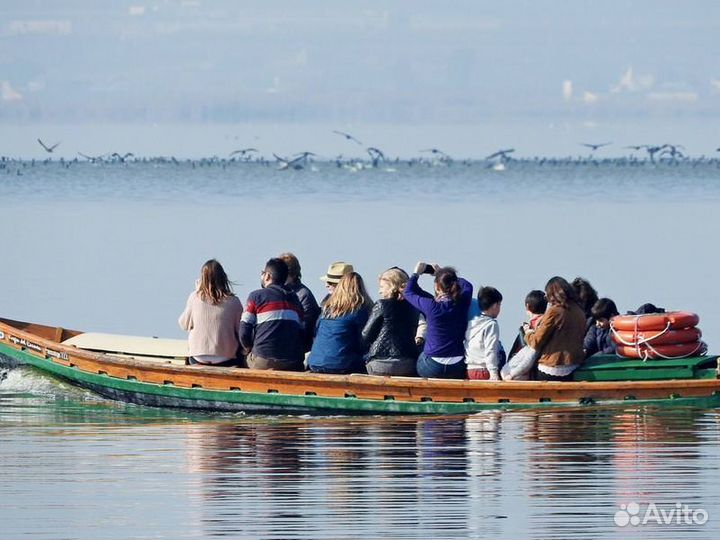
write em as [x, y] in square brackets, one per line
[26, 387]
[18, 380]
[22, 380]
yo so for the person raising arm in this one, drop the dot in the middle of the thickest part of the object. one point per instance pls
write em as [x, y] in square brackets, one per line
[446, 317]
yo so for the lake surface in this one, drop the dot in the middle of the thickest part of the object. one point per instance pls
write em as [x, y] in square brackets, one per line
[75, 466]
[116, 248]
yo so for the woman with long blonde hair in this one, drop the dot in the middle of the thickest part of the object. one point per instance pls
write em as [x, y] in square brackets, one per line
[212, 318]
[389, 334]
[338, 345]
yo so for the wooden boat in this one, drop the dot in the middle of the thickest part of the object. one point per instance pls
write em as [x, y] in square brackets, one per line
[153, 372]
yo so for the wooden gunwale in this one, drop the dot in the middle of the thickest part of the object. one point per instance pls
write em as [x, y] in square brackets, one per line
[385, 391]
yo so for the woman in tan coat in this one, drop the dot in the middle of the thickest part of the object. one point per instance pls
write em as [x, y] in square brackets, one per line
[559, 336]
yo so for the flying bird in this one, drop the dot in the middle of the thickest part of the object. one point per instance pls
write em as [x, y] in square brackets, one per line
[91, 158]
[375, 152]
[48, 149]
[122, 158]
[436, 151]
[652, 150]
[376, 155]
[291, 163]
[347, 136]
[302, 157]
[596, 146]
[502, 154]
[243, 151]
[672, 151]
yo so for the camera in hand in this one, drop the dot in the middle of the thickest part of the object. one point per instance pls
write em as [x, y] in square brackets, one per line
[424, 268]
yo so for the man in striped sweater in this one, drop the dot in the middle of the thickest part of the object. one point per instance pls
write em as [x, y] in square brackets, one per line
[271, 329]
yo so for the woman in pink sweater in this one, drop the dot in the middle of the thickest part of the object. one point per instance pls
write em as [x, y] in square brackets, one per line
[212, 318]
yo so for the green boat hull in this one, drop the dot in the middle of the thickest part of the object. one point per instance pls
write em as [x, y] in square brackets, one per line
[164, 395]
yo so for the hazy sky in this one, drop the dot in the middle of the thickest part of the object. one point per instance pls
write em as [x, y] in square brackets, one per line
[375, 61]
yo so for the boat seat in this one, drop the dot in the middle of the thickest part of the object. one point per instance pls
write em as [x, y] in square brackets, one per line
[605, 367]
[130, 345]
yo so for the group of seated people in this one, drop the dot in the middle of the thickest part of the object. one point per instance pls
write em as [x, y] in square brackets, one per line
[409, 332]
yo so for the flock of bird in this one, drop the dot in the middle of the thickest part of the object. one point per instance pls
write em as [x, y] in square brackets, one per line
[667, 153]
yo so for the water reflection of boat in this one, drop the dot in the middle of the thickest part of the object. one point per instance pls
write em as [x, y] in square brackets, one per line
[152, 372]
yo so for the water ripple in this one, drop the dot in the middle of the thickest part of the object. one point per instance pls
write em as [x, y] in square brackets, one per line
[143, 472]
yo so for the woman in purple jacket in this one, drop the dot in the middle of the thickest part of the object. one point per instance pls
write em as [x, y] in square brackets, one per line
[446, 314]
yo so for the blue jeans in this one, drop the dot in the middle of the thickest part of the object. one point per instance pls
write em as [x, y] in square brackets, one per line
[358, 366]
[427, 367]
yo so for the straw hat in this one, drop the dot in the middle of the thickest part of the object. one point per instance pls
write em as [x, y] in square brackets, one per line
[335, 271]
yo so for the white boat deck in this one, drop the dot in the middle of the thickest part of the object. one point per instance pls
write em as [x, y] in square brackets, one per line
[132, 346]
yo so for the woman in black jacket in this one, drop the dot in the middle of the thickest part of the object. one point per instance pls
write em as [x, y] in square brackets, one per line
[389, 335]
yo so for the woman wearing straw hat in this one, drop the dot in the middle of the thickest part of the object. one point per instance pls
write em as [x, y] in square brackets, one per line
[335, 271]
[338, 346]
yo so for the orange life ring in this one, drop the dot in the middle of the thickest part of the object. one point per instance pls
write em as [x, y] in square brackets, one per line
[671, 337]
[679, 350]
[655, 321]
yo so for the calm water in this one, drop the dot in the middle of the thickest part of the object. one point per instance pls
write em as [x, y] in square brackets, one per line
[213, 181]
[75, 466]
[117, 247]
